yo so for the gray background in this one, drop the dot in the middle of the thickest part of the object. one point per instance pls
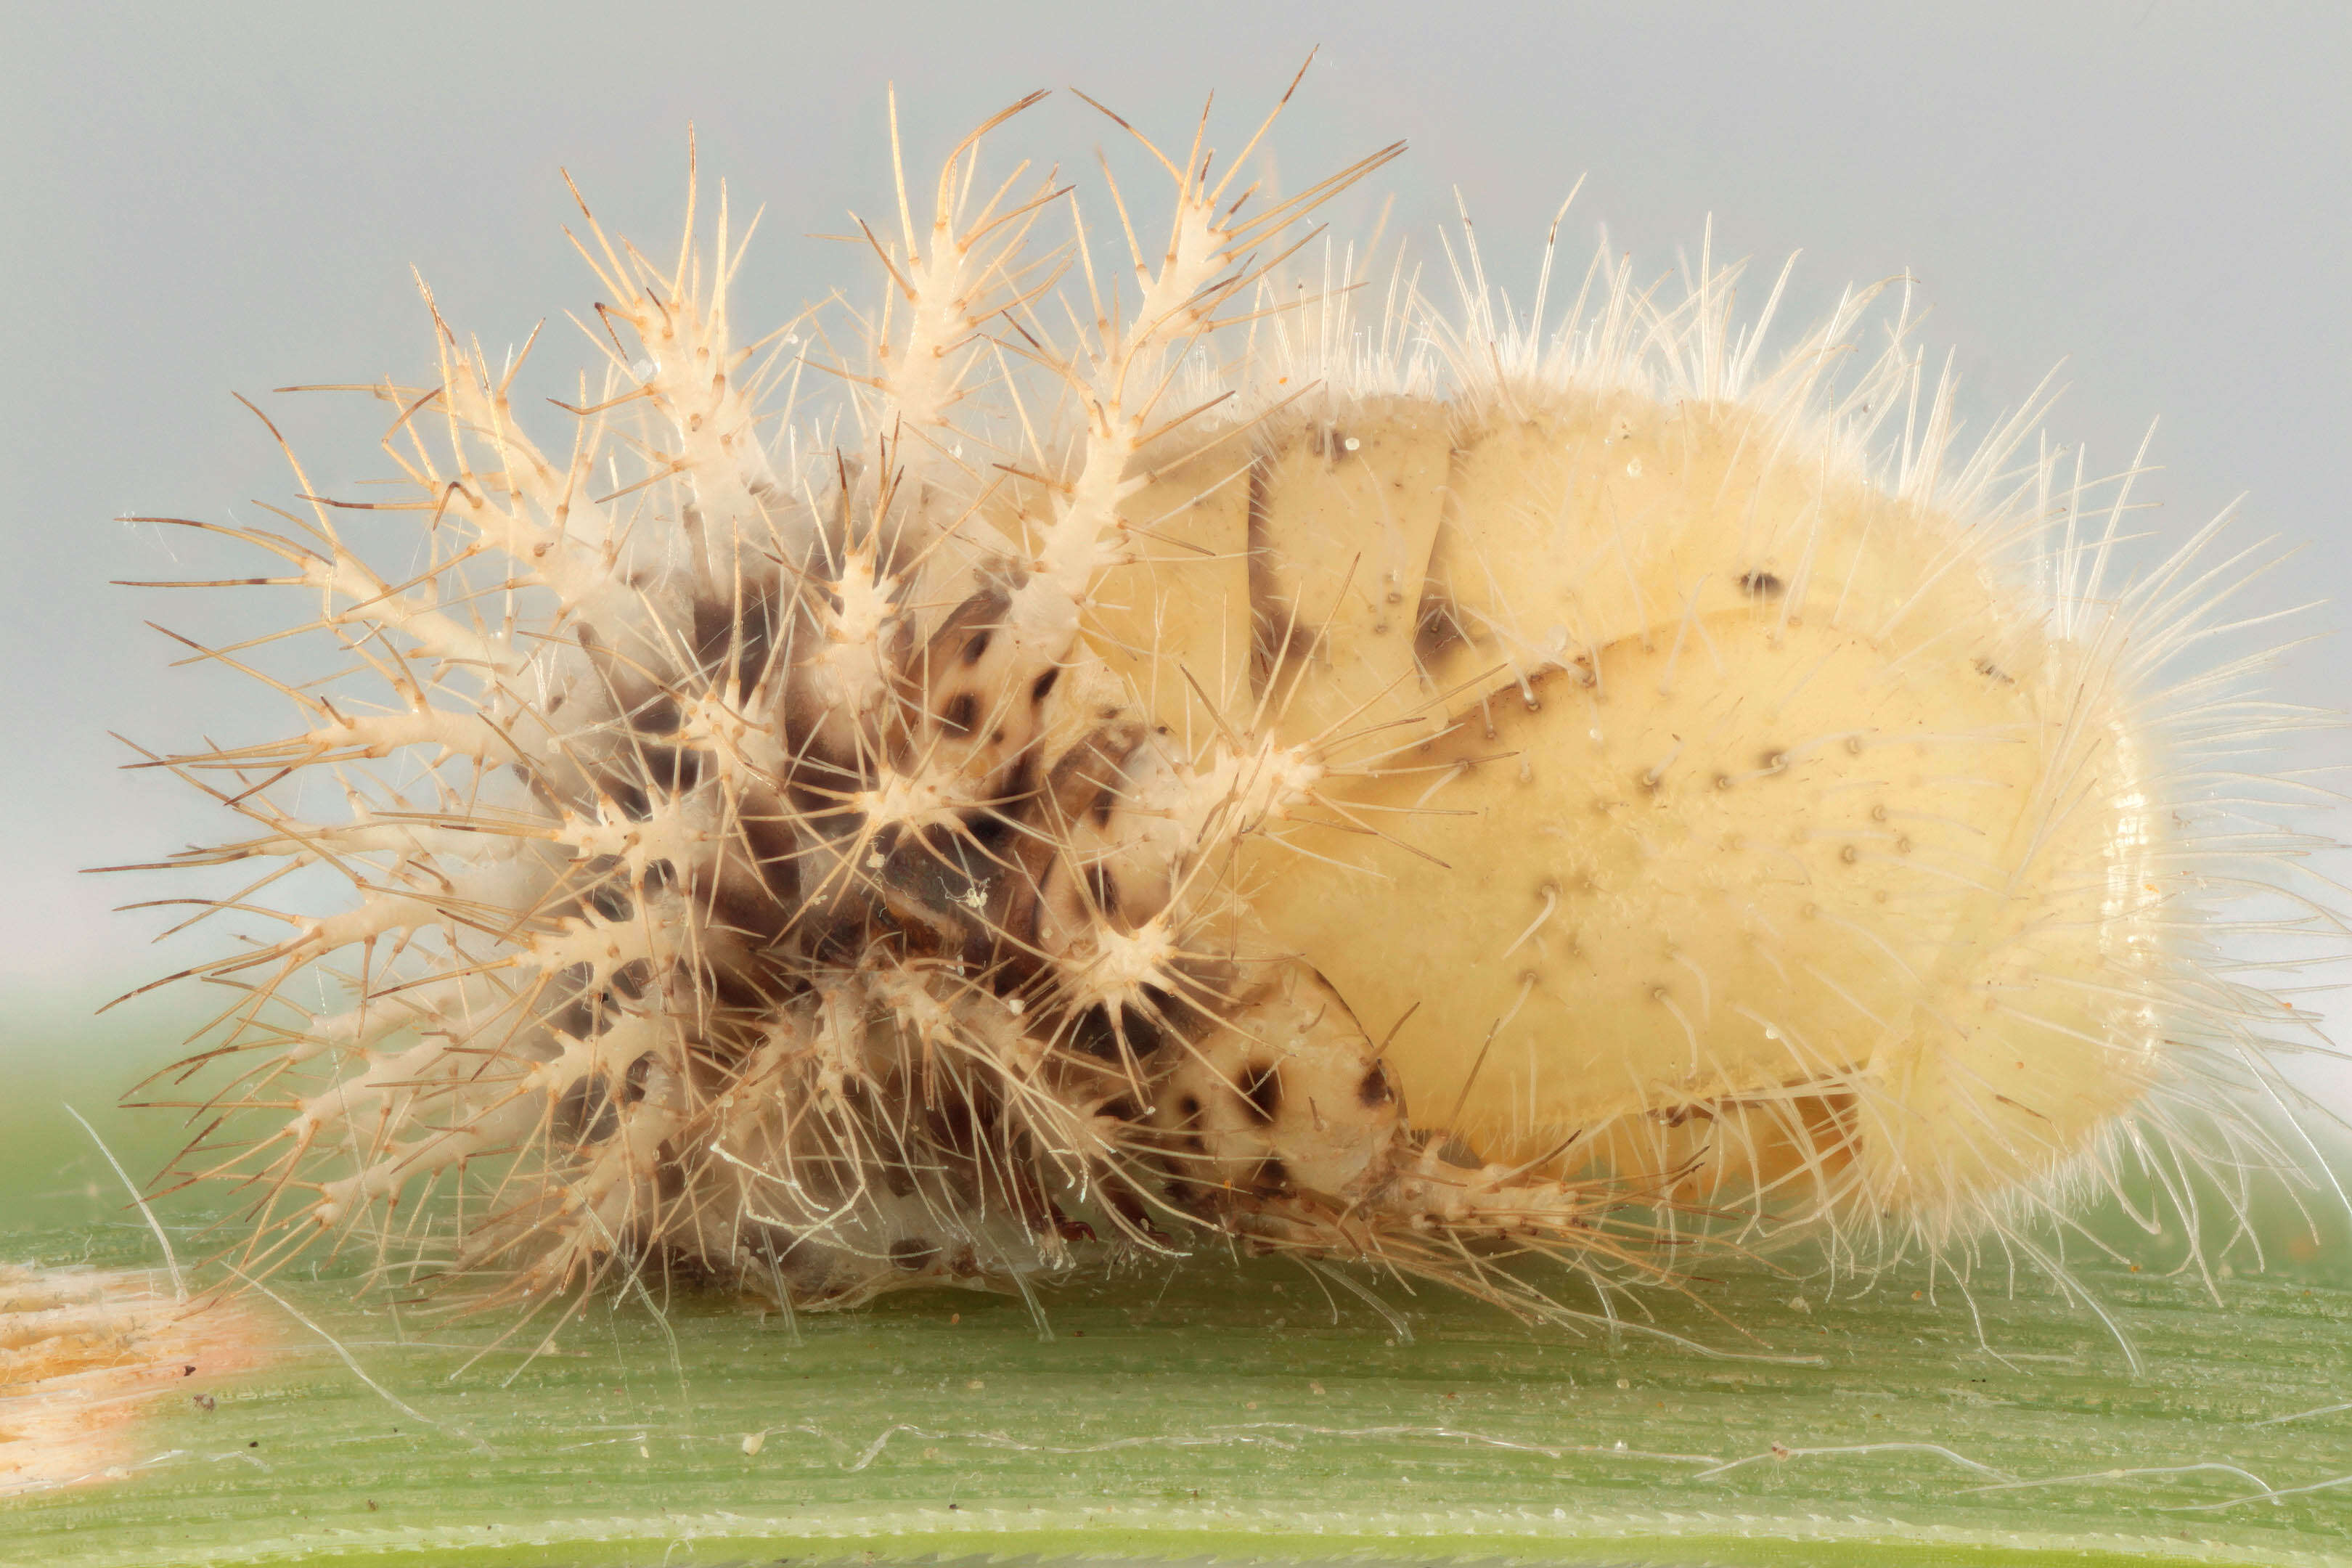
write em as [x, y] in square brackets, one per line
[197, 199]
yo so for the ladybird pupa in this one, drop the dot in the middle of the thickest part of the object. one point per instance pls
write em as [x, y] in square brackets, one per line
[1190, 754]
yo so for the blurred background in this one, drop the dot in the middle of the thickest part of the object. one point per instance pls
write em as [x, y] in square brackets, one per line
[202, 200]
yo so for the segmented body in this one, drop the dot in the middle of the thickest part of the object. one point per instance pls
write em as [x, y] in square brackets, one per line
[1409, 789]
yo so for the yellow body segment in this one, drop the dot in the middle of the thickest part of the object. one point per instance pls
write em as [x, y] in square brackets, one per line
[1184, 754]
[1726, 820]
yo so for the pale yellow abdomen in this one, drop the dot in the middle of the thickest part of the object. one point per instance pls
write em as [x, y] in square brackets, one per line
[1714, 815]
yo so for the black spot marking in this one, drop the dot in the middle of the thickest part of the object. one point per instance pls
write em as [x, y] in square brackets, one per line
[1375, 1089]
[975, 647]
[913, 1253]
[1261, 1087]
[1043, 686]
[1760, 584]
[1106, 802]
[1272, 1176]
[960, 712]
[1188, 1108]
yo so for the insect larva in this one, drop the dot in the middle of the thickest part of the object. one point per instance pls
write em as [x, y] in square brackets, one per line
[1192, 755]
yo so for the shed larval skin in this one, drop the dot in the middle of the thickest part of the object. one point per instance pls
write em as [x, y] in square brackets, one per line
[1146, 758]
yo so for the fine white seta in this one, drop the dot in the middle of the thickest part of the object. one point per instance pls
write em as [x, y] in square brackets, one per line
[1159, 732]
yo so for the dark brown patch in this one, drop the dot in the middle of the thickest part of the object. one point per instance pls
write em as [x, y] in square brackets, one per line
[959, 714]
[1760, 584]
[610, 901]
[1261, 1087]
[952, 1130]
[1375, 1089]
[1100, 1030]
[632, 978]
[1436, 625]
[585, 1112]
[669, 1172]
[1275, 635]
[1043, 686]
[1021, 780]
[1104, 889]
[913, 1253]
[579, 1011]
[656, 715]
[736, 640]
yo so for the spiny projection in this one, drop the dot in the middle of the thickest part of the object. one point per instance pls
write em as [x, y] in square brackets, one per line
[1140, 759]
